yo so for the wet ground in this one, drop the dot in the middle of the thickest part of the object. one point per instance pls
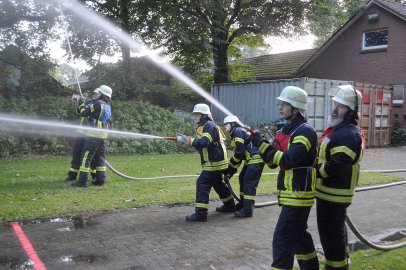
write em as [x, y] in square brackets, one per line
[157, 237]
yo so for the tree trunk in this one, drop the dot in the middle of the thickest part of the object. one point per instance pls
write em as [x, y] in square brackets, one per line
[221, 72]
[219, 48]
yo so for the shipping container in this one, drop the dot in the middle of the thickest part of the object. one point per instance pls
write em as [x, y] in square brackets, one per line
[376, 113]
[255, 104]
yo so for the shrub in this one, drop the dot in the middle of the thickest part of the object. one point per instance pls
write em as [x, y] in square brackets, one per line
[398, 136]
[129, 116]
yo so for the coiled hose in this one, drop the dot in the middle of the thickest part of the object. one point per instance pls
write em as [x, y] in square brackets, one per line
[350, 224]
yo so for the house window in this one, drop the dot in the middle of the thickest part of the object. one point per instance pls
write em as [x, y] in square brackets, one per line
[375, 40]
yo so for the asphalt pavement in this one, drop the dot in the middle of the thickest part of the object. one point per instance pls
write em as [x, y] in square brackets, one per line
[158, 237]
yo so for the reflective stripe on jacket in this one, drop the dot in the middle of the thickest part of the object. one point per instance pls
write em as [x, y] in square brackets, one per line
[98, 113]
[338, 166]
[243, 148]
[210, 144]
[297, 177]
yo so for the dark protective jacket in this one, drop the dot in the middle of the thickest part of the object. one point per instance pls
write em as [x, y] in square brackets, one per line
[243, 148]
[210, 144]
[338, 160]
[98, 113]
[297, 177]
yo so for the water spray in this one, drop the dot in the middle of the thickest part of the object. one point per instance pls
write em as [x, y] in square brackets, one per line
[117, 33]
[69, 46]
[30, 126]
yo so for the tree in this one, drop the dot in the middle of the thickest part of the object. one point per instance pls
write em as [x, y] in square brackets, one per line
[198, 32]
[28, 25]
[90, 43]
[329, 15]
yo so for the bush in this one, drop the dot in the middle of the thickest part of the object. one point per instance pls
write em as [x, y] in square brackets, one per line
[132, 116]
[398, 136]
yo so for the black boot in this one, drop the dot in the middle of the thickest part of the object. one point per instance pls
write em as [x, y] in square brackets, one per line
[98, 182]
[196, 218]
[238, 206]
[79, 184]
[71, 176]
[246, 210]
[227, 207]
[82, 182]
[243, 213]
[68, 179]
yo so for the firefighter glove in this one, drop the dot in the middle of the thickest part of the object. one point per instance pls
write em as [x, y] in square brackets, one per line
[231, 171]
[183, 139]
[258, 138]
[81, 100]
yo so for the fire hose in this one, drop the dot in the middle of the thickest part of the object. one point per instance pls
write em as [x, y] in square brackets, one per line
[350, 224]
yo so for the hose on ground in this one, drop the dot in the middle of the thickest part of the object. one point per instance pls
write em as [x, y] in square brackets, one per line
[193, 175]
[157, 177]
[259, 205]
[369, 243]
[146, 178]
[351, 225]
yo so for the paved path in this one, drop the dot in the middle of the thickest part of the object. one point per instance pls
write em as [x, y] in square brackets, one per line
[159, 238]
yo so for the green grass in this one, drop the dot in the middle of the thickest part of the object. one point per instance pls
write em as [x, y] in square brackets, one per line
[32, 188]
[379, 260]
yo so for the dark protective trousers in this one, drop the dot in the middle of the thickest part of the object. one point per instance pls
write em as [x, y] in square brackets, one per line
[333, 233]
[249, 179]
[76, 158]
[93, 152]
[204, 183]
[292, 238]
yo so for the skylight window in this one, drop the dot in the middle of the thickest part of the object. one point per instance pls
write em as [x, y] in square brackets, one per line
[375, 40]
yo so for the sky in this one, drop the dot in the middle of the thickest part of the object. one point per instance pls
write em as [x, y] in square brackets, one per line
[280, 45]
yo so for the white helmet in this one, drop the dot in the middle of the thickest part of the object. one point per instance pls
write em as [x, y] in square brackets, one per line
[295, 96]
[231, 119]
[105, 90]
[346, 96]
[202, 108]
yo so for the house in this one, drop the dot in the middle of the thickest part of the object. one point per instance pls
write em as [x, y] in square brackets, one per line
[369, 48]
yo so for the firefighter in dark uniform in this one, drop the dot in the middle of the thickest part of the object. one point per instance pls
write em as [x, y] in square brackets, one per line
[339, 153]
[213, 154]
[253, 165]
[79, 143]
[294, 151]
[98, 112]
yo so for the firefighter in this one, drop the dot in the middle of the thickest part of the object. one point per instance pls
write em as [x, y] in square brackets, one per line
[339, 153]
[213, 155]
[98, 112]
[253, 165]
[79, 143]
[294, 150]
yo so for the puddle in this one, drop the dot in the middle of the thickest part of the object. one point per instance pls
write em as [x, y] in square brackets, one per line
[74, 222]
[83, 258]
[394, 237]
[382, 239]
[15, 263]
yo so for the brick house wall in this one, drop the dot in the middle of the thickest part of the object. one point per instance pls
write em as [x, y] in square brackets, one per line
[345, 59]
